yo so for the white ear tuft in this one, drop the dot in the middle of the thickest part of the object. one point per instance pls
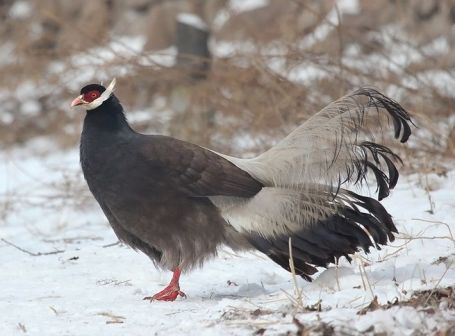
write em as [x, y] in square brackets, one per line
[111, 86]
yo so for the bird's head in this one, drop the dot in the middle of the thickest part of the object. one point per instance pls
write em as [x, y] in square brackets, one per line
[93, 96]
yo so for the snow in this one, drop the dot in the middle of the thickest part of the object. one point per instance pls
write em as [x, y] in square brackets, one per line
[330, 22]
[6, 118]
[246, 5]
[125, 46]
[20, 10]
[192, 20]
[442, 81]
[348, 6]
[78, 283]
[81, 285]
[30, 108]
[6, 52]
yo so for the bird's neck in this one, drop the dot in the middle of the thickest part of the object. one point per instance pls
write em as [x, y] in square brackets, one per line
[107, 118]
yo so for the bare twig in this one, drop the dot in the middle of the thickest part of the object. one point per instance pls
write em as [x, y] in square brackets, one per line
[337, 276]
[113, 318]
[436, 222]
[22, 327]
[363, 274]
[437, 284]
[118, 242]
[54, 310]
[426, 237]
[297, 290]
[33, 254]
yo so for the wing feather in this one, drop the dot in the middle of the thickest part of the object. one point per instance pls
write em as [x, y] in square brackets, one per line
[195, 171]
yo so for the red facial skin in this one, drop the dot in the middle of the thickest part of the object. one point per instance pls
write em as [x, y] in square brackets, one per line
[86, 98]
[91, 96]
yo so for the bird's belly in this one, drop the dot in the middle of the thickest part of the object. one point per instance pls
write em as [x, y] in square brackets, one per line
[148, 213]
[186, 231]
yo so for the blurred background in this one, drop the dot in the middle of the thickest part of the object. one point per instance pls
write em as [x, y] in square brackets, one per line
[233, 75]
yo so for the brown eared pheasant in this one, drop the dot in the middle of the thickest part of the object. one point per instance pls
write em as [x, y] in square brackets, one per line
[178, 202]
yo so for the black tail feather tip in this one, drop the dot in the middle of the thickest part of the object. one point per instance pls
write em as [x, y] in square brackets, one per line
[400, 117]
[329, 239]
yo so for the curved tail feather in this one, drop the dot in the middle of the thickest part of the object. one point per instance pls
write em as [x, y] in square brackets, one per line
[331, 238]
[305, 177]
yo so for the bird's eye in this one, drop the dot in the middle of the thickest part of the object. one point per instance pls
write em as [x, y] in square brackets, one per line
[91, 96]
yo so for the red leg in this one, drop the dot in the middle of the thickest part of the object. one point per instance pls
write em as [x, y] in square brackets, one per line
[172, 290]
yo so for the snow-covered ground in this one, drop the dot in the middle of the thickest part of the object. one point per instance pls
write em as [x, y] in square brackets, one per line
[77, 283]
[61, 272]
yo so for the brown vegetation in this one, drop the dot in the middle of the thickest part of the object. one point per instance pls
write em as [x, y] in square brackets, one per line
[274, 79]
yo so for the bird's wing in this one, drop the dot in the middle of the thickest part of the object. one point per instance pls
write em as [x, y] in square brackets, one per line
[335, 146]
[195, 171]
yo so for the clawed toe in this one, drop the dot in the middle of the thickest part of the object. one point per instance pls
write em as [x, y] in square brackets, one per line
[168, 294]
[171, 292]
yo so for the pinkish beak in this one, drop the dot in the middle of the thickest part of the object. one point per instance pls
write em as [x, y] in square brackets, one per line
[78, 101]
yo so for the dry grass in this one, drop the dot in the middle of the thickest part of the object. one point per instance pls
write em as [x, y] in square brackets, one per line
[249, 99]
[428, 300]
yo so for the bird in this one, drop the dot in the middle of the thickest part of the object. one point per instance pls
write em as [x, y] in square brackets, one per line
[178, 202]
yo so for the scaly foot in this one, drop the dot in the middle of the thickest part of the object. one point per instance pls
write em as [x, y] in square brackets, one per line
[171, 292]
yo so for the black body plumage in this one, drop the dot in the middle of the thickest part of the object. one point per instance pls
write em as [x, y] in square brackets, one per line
[160, 195]
[154, 189]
